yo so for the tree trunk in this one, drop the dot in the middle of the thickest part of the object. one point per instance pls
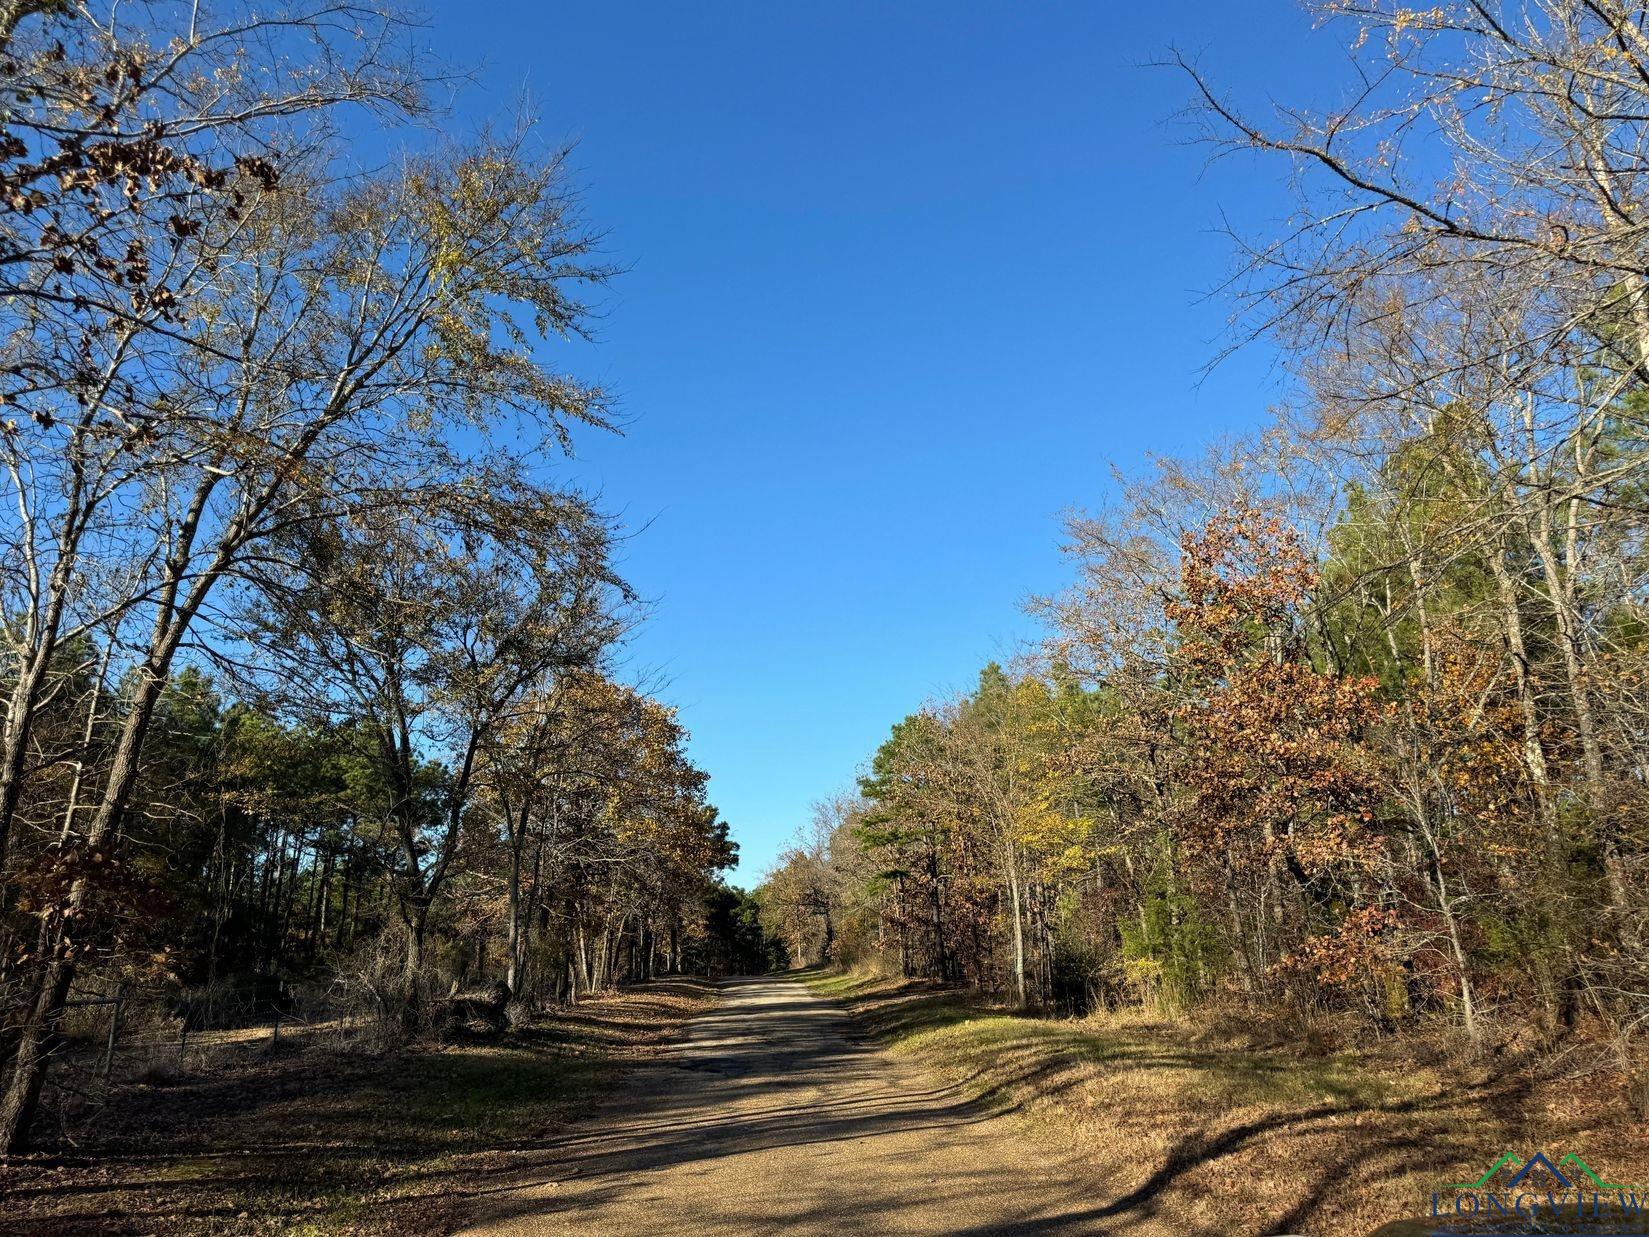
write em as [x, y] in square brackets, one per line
[1445, 905]
[22, 1097]
[30, 1058]
[417, 920]
[1018, 925]
[1561, 589]
[941, 954]
[517, 928]
[1511, 618]
[317, 930]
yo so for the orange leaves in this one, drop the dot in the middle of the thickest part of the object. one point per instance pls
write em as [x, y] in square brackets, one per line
[1277, 763]
[1470, 712]
[1244, 574]
[1363, 944]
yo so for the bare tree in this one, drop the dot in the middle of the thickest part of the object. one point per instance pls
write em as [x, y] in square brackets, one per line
[139, 144]
[357, 327]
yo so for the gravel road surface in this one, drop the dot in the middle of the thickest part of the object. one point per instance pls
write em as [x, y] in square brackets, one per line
[770, 1116]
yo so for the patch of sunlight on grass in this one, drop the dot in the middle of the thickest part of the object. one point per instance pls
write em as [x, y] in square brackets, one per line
[197, 1169]
[839, 984]
[461, 1097]
[966, 1033]
[1005, 1051]
[1341, 1141]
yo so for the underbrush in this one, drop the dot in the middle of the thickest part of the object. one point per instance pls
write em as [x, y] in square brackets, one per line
[316, 1140]
[1222, 1124]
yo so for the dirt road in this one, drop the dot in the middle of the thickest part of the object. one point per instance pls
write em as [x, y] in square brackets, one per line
[770, 1117]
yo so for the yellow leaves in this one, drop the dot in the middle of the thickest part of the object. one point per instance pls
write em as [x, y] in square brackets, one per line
[1407, 19]
[1055, 841]
[1073, 859]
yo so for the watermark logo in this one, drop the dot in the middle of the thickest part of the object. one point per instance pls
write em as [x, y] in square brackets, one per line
[1538, 1195]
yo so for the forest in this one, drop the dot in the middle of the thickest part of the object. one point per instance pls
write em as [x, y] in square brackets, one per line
[1346, 715]
[349, 851]
[311, 667]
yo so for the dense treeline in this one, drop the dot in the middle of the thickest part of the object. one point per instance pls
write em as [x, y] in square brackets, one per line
[1349, 715]
[308, 661]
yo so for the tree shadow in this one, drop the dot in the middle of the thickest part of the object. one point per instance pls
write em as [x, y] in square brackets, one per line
[305, 1133]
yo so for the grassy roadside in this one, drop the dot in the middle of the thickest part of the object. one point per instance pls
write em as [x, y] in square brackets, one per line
[1191, 1131]
[316, 1142]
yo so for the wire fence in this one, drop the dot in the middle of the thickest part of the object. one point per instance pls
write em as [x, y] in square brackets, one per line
[115, 1038]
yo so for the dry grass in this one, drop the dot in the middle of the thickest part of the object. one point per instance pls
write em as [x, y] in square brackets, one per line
[316, 1140]
[1194, 1129]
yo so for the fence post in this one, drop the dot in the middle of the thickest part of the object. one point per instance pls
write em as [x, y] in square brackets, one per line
[182, 1042]
[275, 1038]
[114, 1026]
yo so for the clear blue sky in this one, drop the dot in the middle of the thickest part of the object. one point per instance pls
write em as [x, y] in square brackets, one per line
[906, 279]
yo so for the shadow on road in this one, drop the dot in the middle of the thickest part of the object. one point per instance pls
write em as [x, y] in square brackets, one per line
[779, 1118]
